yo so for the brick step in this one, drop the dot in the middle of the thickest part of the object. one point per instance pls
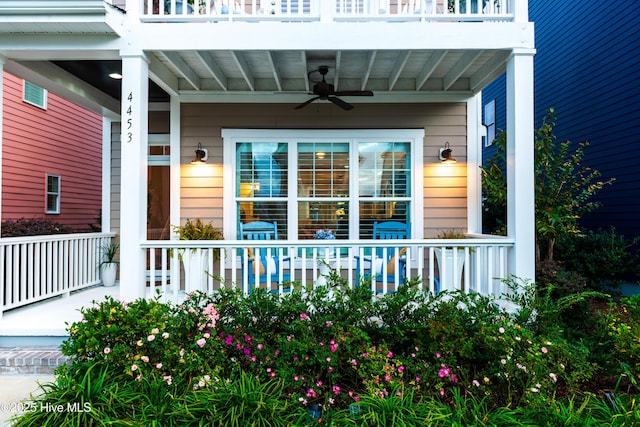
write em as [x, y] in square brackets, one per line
[30, 360]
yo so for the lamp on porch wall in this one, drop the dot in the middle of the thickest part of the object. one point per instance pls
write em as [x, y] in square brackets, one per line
[445, 154]
[202, 155]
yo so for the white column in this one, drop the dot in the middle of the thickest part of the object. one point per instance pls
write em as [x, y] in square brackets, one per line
[520, 163]
[106, 175]
[133, 199]
[175, 171]
[474, 160]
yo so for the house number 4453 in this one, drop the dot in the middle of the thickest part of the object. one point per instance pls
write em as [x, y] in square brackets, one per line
[129, 112]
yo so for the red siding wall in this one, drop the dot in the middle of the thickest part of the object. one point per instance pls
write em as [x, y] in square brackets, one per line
[65, 140]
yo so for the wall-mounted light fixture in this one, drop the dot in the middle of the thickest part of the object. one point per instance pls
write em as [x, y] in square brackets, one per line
[445, 154]
[115, 75]
[202, 154]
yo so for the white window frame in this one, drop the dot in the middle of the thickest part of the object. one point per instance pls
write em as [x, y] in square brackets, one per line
[45, 95]
[489, 123]
[48, 193]
[293, 136]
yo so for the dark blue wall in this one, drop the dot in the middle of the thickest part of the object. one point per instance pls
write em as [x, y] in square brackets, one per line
[587, 67]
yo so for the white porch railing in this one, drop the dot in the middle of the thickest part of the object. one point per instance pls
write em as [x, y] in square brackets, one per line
[39, 267]
[325, 10]
[473, 265]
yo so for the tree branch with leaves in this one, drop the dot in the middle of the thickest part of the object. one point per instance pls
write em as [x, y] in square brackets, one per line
[564, 188]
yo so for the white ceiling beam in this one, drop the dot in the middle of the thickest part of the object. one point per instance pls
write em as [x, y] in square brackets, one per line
[489, 71]
[371, 57]
[429, 67]
[403, 57]
[458, 70]
[209, 62]
[241, 62]
[336, 74]
[305, 65]
[162, 76]
[271, 59]
[183, 69]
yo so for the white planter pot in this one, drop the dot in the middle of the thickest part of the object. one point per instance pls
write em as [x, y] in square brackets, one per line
[195, 263]
[450, 270]
[109, 271]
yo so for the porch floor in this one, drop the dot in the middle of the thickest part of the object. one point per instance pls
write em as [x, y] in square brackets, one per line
[44, 323]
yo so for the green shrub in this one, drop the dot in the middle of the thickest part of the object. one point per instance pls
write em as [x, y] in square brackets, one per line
[603, 257]
[408, 358]
[33, 227]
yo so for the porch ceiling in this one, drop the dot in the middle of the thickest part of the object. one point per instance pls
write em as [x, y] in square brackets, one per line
[289, 75]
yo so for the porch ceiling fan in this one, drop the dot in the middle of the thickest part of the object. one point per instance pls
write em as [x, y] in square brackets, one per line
[326, 91]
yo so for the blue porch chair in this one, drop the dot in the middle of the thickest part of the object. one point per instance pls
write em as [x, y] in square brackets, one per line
[374, 267]
[270, 263]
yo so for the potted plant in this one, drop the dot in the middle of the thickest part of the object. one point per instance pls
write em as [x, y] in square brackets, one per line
[190, 6]
[195, 260]
[109, 265]
[449, 269]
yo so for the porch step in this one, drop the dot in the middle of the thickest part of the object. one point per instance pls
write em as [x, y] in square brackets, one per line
[30, 360]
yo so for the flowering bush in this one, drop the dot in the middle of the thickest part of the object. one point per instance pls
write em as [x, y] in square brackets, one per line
[324, 235]
[305, 353]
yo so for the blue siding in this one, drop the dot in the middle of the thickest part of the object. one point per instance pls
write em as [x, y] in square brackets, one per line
[587, 67]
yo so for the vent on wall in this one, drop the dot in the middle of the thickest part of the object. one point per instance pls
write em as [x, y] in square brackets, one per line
[34, 95]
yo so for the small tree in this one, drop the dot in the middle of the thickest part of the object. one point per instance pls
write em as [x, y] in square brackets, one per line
[563, 187]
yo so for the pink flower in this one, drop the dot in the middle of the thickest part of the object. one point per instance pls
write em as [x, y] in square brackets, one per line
[145, 359]
[151, 338]
[475, 383]
[259, 346]
[441, 392]
[201, 342]
[134, 367]
[106, 350]
[296, 378]
[501, 330]
[165, 335]
[155, 331]
[401, 369]
[544, 350]
[503, 361]
[390, 355]
[167, 378]
[438, 355]
[336, 390]
[304, 316]
[553, 377]
[158, 365]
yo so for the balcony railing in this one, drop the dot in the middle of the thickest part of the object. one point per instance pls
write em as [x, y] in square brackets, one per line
[472, 265]
[40, 267]
[325, 10]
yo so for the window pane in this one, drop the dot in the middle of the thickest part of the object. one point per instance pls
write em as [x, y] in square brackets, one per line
[52, 184]
[251, 211]
[323, 169]
[314, 216]
[52, 203]
[371, 212]
[261, 169]
[384, 169]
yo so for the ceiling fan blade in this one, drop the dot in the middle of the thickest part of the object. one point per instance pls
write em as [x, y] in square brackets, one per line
[354, 93]
[307, 102]
[340, 103]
